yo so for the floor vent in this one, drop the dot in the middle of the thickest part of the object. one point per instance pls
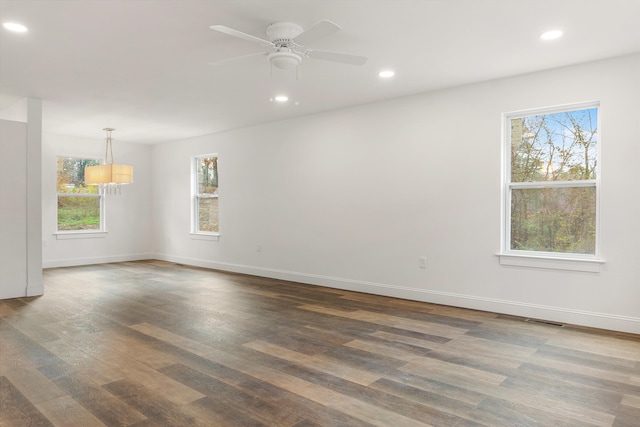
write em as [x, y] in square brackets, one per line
[545, 322]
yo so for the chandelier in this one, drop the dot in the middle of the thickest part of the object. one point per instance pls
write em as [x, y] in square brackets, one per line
[110, 176]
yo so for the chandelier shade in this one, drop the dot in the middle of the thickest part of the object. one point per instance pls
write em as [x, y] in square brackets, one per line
[109, 176]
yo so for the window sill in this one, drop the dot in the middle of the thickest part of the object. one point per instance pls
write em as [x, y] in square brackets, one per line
[202, 236]
[65, 235]
[590, 265]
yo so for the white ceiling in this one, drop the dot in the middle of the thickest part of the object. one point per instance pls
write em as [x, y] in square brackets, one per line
[142, 66]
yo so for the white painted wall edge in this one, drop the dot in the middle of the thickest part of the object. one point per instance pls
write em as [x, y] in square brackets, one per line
[31, 291]
[72, 262]
[557, 314]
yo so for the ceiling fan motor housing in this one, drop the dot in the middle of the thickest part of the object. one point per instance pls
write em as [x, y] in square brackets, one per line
[281, 33]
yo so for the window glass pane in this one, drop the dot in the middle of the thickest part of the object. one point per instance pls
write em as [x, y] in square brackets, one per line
[208, 214]
[71, 175]
[554, 147]
[78, 213]
[554, 219]
[207, 175]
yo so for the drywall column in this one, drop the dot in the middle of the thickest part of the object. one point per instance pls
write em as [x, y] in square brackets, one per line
[13, 209]
[34, 197]
[20, 205]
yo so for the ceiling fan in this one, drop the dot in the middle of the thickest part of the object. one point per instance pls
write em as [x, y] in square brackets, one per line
[287, 43]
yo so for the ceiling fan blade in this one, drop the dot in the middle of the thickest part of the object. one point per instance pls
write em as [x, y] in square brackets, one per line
[235, 58]
[319, 30]
[240, 34]
[344, 58]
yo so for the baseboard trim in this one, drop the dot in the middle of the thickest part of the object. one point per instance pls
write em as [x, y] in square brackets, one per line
[557, 314]
[72, 262]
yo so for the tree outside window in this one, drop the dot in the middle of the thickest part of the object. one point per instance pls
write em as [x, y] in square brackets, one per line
[79, 205]
[552, 181]
[205, 208]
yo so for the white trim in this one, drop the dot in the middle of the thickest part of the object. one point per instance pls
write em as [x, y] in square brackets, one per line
[79, 234]
[558, 314]
[590, 265]
[72, 262]
[202, 236]
[553, 184]
[574, 106]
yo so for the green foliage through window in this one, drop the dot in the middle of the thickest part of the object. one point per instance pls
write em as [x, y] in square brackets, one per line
[552, 187]
[79, 204]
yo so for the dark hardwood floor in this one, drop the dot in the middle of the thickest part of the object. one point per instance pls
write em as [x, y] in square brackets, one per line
[159, 344]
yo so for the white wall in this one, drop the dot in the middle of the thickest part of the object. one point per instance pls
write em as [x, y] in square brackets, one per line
[127, 215]
[20, 204]
[352, 198]
[13, 209]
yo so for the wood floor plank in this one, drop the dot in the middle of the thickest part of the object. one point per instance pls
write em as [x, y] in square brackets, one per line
[219, 394]
[595, 398]
[319, 362]
[392, 321]
[532, 397]
[452, 404]
[16, 345]
[327, 397]
[601, 345]
[412, 340]
[417, 410]
[501, 412]
[508, 337]
[153, 406]
[30, 382]
[16, 409]
[101, 404]
[143, 373]
[154, 344]
[128, 347]
[439, 369]
[384, 348]
[78, 357]
[170, 337]
[632, 401]
[580, 357]
[315, 414]
[64, 411]
[619, 387]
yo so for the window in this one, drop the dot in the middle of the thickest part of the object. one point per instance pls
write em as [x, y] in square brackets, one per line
[80, 206]
[205, 194]
[551, 182]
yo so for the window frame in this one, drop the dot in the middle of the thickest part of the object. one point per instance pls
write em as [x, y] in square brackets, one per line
[88, 233]
[195, 197]
[545, 259]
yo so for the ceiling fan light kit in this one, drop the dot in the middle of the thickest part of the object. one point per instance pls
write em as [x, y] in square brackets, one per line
[284, 59]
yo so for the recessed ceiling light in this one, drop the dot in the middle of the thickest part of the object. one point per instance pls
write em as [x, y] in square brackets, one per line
[281, 98]
[551, 35]
[386, 74]
[15, 27]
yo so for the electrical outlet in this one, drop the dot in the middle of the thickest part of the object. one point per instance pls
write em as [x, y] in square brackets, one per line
[44, 243]
[259, 247]
[422, 262]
